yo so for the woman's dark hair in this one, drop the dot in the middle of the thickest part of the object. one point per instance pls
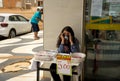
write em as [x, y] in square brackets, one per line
[70, 30]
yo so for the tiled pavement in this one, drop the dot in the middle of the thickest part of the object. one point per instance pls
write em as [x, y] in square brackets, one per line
[25, 46]
[21, 46]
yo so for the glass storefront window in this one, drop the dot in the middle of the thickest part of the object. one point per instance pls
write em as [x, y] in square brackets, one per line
[101, 9]
[103, 42]
[103, 19]
[112, 8]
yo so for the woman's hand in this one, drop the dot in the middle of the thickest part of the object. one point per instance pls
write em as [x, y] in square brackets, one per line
[70, 39]
[62, 38]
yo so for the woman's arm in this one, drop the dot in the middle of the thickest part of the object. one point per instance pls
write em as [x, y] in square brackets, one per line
[61, 48]
[75, 48]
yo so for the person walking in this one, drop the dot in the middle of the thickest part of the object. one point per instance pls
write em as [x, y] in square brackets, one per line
[35, 20]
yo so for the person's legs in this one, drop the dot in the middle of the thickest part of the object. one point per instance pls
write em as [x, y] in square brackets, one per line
[53, 72]
[66, 78]
[35, 30]
[36, 35]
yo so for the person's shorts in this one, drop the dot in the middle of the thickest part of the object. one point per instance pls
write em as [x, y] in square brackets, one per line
[35, 27]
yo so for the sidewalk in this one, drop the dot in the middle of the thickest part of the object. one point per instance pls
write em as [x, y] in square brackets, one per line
[20, 50]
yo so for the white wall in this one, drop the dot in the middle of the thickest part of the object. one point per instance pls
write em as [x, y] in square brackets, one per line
[58, 14]
[1, 3]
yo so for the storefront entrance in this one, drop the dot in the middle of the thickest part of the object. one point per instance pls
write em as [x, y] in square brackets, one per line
[103, 40]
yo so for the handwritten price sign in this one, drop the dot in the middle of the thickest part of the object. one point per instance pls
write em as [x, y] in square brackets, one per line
[64, 64]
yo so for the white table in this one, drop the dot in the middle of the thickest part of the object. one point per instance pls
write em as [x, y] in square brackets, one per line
[79, 65]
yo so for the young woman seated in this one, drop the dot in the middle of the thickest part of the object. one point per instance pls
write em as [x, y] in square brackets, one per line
[67, 43]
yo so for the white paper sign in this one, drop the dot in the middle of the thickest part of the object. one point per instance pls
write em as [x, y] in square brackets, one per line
[113, 1]
[96, 8]
[64, 64]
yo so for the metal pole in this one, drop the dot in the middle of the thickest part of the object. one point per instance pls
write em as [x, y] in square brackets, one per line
[38, 74]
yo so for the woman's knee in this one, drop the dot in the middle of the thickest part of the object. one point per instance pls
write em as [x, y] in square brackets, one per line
[53, 67]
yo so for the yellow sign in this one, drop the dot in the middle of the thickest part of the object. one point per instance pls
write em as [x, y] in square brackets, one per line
[103, 26]
[64, 64]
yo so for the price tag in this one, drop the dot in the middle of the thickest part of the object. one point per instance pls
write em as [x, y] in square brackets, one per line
[64, 64]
